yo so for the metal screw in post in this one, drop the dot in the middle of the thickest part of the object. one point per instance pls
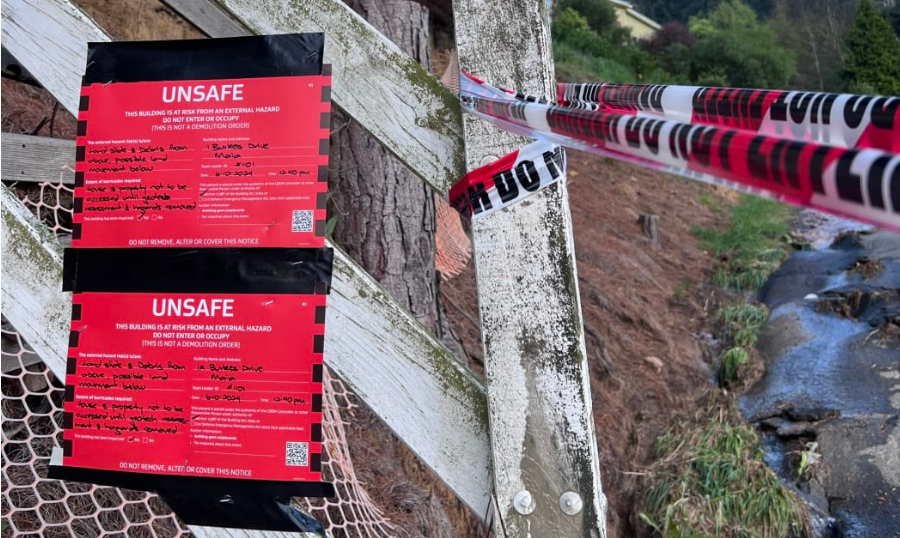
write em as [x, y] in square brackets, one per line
[570, 503]
[524, 502]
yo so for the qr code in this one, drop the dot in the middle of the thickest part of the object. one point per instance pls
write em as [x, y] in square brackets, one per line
[302, 221]
[297, 454]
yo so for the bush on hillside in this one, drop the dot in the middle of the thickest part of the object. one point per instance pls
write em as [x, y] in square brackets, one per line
[600, 15]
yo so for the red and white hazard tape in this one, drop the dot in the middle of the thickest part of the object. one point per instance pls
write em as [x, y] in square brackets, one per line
[844, 120]
[509, 179]
[862, 184]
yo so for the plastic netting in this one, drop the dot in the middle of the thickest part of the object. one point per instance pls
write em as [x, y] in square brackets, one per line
[32, 407]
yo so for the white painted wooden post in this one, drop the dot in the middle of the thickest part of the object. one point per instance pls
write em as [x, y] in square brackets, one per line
[539, 400]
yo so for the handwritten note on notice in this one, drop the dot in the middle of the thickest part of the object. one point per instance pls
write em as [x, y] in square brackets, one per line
[241, 162]
[199, 385]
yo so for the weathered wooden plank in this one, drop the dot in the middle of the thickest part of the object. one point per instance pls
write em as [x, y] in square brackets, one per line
[390, 360]
[539, 399]
[49, 38]
[36, 158]
[206, 15]
[388, 93]
[32, 282]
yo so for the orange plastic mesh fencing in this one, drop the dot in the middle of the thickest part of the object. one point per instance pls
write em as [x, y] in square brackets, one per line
[34, 506]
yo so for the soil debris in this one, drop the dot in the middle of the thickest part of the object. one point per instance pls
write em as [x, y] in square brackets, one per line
[866, 268]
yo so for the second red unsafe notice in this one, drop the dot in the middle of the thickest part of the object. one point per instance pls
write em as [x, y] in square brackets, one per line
[207, 163]
[213, 385]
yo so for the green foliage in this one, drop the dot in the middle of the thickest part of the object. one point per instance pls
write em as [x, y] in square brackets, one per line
[742, 325]
[600, 15]
[814, 31]
[872, 53]
[683, 10]
[676, 60]
[709, 481]
[726, 47]
[732, 360]
[568, 24]
[730, 15]
[743, 317]
[610, 57]
[752, 246]
[576, 66]
[734, 48]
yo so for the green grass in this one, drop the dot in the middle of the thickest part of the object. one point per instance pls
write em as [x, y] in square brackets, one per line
[712, 202]
[731, 362]
[709, 481]
[575, 66]
[742, 325]
[752, 246]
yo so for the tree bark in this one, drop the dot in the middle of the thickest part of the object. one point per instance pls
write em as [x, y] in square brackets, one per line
[386, 222]
[386, 215]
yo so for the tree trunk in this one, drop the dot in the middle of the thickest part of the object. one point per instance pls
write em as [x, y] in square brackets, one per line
[386, 222]
[386, 215]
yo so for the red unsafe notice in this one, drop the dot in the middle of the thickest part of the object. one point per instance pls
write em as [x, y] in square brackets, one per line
[215, 385]
[208, 163]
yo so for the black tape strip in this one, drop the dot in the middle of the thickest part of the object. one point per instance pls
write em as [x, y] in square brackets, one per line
[71, 365]
[81, 130]
[235, 503]
[79, 154]
[326, 69]
[322, 288]
[73, 337]
[191, 484]
[207, 270]
[78, 205]
[319, 230]
[198, 59]
[69, 395]
[325, 120]
[323, 173]
[323, 146]
[67, 448]
[76, 312]
[319, 343]
[68, 421]
[315, 433]
[84, 103]
[320, 314]
[315, 463]
[322, 200]
[79, 179]
[326, 94]
[317, 371]
[316, 403]
[76, 230]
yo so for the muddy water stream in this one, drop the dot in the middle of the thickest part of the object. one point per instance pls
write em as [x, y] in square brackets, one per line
[832, 380]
